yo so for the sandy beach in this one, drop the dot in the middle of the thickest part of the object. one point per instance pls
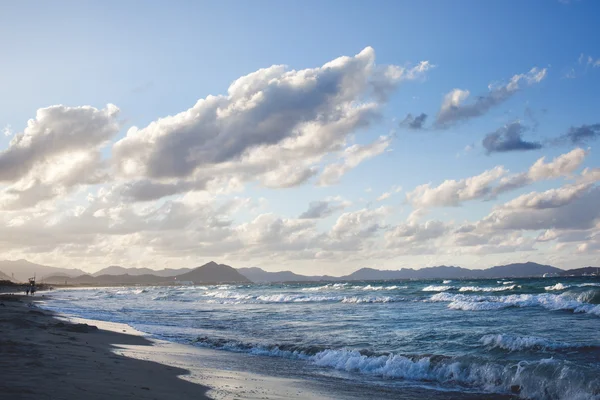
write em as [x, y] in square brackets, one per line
[49, 356]
[42, 357]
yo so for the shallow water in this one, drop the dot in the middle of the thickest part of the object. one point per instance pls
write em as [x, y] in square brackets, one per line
[536, 338]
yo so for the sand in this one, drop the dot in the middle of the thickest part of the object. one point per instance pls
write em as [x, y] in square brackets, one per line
[42, 357]
[49, 356]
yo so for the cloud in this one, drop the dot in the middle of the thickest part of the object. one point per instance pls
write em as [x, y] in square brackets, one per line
[270, 120]
[508, 138]
[59, 150]
[491, 183]
[323, 208]
[56, 131]
[412, 232]
[359, 224]
[414, 122]
[384, 196]
[578, 211]
[7, 131]
[552, 198]
[352, 156]
[454, 109]
[452, 192]
[582, 134]
[589, 175]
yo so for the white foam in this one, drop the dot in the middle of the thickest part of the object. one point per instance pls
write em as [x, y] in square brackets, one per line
[546, 300]
[447, 281]
[517, 343]
[434, 288]
[329, 286]
[558, 286]
[486, 289]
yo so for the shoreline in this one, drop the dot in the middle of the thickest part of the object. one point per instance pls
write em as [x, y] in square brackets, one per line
[44, 357]
[49, 355]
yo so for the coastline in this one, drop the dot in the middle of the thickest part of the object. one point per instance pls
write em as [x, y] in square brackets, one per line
[47, 355]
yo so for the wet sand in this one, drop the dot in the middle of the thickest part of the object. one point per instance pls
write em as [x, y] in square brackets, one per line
[42, 357]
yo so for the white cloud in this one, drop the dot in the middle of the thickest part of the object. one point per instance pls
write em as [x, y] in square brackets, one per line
[57, 151]
[495, 181]
[454, 109]
[452, 192]
[271, 120]
[7, 131]
[351, 157]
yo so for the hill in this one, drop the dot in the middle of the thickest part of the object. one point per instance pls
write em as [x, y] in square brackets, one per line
[260, 275]
[124, 279]
[214, 273]
[4, 277]
[117, 270]
[520, 270]
[24, 270]
[581, 271]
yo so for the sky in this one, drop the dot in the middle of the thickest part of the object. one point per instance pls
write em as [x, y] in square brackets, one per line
[317, 137]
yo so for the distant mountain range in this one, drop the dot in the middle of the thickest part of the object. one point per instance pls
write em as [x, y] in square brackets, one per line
[220, 273]
[23, 270]
[207, 273]
[4, 277]
[116, 270]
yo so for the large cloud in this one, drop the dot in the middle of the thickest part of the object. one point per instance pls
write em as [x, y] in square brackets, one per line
[55, 131]
[491, 183]
[454, 109]
[269, 119]
[59, 150]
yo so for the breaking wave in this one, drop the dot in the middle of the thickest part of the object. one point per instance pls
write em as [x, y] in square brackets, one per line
[486, 289]
[519, 343]
[528, 379]
[434, 288]
[566, 301]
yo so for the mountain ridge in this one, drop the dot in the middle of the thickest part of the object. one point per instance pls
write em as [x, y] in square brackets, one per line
[213, 272]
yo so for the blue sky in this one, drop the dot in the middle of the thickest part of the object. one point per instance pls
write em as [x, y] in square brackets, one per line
[153, 60]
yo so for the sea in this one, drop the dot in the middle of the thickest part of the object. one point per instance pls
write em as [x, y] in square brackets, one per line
[518, 338]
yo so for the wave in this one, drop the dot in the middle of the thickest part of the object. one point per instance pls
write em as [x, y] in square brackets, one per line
[506, 282]
[564, 301]
[329, 286]
[434, 288]
[519, 343]
[558, 286]
[447, 281]
[486, 289]
[529, 379]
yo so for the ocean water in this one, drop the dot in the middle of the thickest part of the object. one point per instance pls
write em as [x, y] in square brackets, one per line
[527, 338]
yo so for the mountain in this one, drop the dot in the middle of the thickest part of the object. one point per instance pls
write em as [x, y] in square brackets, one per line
[4, 277]
[208, 273]
[520, 270]
[581, 271]
[260, 275]
[517, 270]
[116, 270]
[214, 273]
[24, 270]
[108, 280]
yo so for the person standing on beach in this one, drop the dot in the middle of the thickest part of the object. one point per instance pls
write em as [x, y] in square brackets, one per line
[27, 291]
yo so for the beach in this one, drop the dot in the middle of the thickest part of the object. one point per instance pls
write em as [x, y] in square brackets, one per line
[42, 357]
[47, 355]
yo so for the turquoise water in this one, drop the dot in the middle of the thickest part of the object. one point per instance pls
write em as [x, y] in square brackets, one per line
[531, 338]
